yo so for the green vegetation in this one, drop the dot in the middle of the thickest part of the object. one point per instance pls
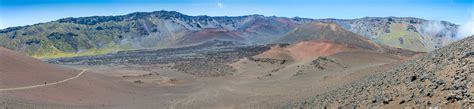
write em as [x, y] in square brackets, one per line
[55, 39]
[401, 38]
[89, 52]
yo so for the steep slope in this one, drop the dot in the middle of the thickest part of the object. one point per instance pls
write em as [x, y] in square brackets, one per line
[441, 78]
[402, 32]
[327, 31]
[94, 35]
[17, 70]
[159, 29]
[316, 39]
[304, 50]
[18, 73]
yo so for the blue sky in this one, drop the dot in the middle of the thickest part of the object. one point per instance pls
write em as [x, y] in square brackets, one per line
[27, 12]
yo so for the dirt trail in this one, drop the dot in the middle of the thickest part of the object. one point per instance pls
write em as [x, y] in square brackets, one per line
[44, 85]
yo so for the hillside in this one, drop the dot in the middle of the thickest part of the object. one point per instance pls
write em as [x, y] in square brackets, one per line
[86, 36]
[440, 78]
[312, 40]
[304, 50]
[160, 29]
[26, 80]
[17, 70]
[402, 32]
[327, 31]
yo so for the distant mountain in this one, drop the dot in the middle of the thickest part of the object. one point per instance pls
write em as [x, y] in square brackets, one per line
[402, 32]
[315, 39]
[162, 29]
[327, 31]
[159, 29]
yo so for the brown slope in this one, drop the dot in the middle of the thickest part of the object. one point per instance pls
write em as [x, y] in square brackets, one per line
[88, 89]
[315, 39]
[441, 78]
[327, 31]
[17, 70]
[305, 50]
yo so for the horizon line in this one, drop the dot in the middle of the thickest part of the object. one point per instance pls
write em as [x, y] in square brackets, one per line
[200, 15]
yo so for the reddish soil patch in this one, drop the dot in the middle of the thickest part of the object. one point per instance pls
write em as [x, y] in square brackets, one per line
[89, 89]
[17, 70]
[313, 49]
[330, 32]
[305, 50]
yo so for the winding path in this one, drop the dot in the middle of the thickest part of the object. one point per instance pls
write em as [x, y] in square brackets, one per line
[44, 85]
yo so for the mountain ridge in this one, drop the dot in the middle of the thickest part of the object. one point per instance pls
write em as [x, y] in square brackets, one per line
[327, 31]
[163, 29]
[64, 20]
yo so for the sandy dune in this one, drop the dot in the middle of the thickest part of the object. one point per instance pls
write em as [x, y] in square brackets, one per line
[17, 70]
[305, 50]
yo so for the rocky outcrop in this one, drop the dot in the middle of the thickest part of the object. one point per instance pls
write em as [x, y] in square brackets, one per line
[268, 60]
[323, 62]
[439, 78]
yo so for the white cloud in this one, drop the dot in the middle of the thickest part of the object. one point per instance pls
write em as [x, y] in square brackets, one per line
[220, 5]
[434, 27]
[466, 29]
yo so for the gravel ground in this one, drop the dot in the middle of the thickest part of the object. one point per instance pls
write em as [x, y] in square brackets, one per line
[442, 77]
[209, 59]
